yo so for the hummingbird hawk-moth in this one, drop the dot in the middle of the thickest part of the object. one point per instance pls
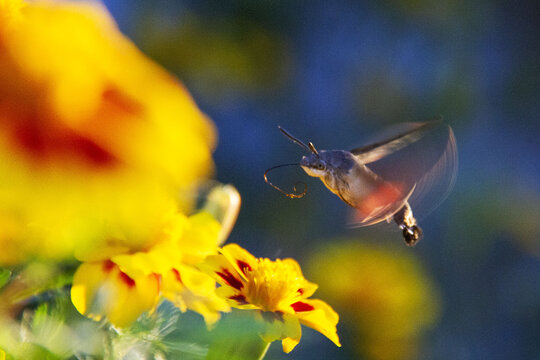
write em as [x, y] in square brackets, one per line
[378, 196]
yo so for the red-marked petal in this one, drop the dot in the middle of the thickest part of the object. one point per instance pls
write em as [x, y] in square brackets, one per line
[241, 299]
[243, 266]
[239, 258]
[230, 279]
[301, 306]
[108, 265]
[43, 143]
[126, 279]
[177, 275]
[322, 318]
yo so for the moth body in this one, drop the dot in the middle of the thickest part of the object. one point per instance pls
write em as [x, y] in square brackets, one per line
[342, 174]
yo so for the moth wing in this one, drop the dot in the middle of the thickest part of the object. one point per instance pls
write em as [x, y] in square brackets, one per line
[407, 134]
[425, 172]
[434, 186]
[381, 205]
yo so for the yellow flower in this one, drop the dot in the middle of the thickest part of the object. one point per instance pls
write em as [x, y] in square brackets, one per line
[386, 296]
[102, 289]
[95, 139]
[121, 285]
[276, 291]
[9, 12]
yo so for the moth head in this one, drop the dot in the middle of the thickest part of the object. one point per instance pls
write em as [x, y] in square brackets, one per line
[313, 165]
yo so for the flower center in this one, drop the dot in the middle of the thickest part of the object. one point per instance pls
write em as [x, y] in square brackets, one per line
[272, 283]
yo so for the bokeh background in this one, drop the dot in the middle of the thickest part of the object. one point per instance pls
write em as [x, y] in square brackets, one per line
[334, 72]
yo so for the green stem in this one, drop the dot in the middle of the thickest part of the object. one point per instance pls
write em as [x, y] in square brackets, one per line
[263, 353]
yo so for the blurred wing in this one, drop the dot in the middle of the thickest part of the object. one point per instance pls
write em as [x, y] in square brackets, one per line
[378, 150]
[437, 183]
[426, 171]
[380, 206]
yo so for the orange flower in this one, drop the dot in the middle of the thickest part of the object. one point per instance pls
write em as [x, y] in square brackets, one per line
[95, 139]
[276, 291]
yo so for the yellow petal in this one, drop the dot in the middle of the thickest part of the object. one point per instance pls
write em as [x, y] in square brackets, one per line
[322, 318]
[10, 12]
[171, 283]
[132, 300]
[157, 260]
[223, 203]
[188, 288]
[307, 288]
[101, 289]
[86, 281]
[289, 344]
[197, 281]
[240, 258]
[219, 268]
[200, 238]
[102, 253]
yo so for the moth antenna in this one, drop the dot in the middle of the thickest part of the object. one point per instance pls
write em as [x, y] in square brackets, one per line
[294, 194]
[293, 139]
[312, 148]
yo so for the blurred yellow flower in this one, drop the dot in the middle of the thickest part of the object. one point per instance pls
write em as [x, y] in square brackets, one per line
[95, 139]
[9, 12]
[276, 291]
[120, 284]
[384, 293]
[102, 289]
